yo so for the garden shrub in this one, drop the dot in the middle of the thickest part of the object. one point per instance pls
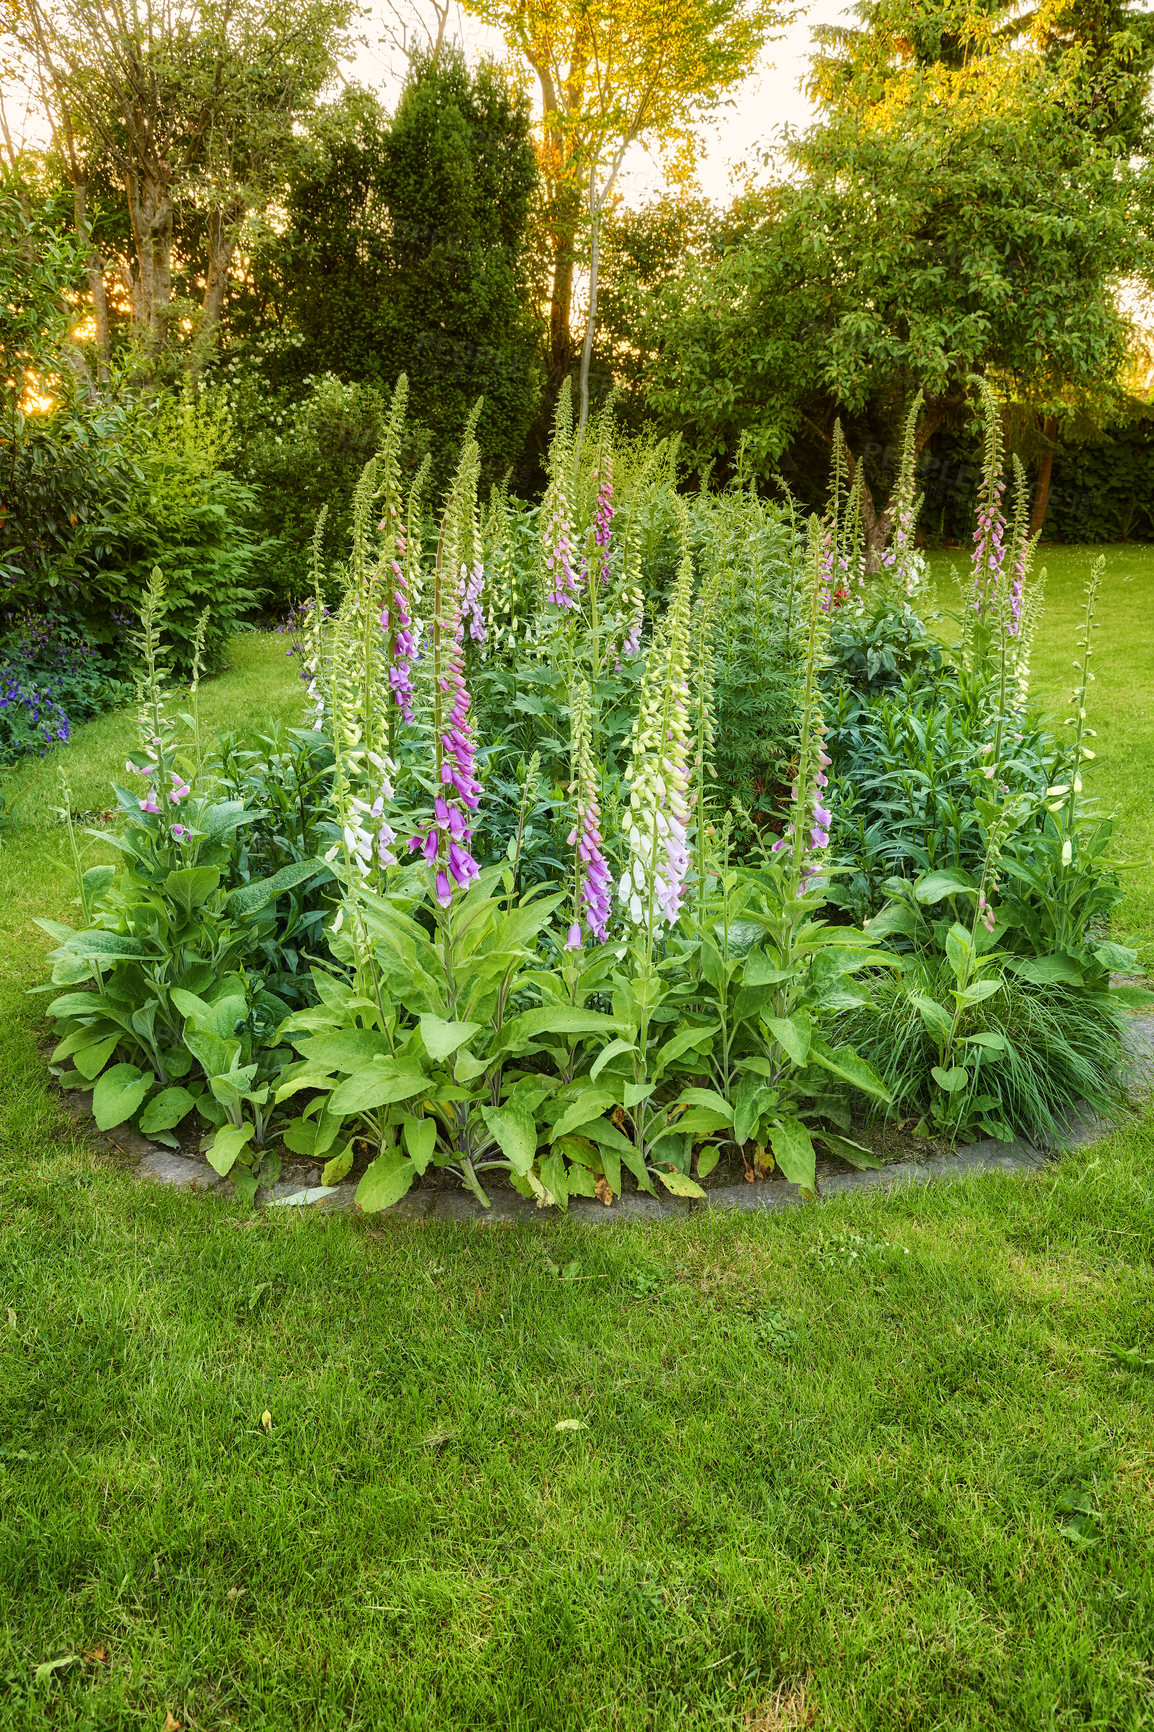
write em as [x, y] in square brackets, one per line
[51, 677]
[99, 493]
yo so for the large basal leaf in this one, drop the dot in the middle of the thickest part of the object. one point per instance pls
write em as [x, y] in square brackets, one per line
[516, 1134]
[590, 1104]
[165, 1110]
[250, 898]
[794, 1153]
[701, 1122]
[347, 1050]
[338, 1166]
[79, 1004]
[118, 1094]
[854, 1153]
[793, 1034]
[563, 1019]
[555, 1178]
[90, 1060]
[685, 1040]
[844, 1063]
[385, 1181]
[1055, 970]
[442, 1038]
[99, 946]
[936, 886]
[216, 1057]
[680, 1184]
[707, 1098]
[379, 1084]
[226, 1145]
[190, 887]
[420, 1140]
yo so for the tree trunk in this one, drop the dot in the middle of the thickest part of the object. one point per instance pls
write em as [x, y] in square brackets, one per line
[1042, 479]
[95, 269]
[591, 321]
[223, 234]
[150, 213]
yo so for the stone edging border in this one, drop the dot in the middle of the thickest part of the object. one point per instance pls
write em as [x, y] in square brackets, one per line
[182, 1172]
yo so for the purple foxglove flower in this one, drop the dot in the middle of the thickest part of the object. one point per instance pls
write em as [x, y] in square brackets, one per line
[573, 941]
[148, 805]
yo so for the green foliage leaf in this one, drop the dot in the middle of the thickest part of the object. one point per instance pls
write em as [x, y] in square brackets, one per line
[680, 1184]
[590, 1104]
[166, 1110]
[251, 898]
[190, 887]
[338, 1166]
[90, 1060]
[936, 886]
[515, 1133]
[226, 1145]
[793, 1034]
[378, 1084]
[844, 1063]
[442, 1038]
[794, 1152]
[420, 1140]
[385, 1181]
[118, 1094]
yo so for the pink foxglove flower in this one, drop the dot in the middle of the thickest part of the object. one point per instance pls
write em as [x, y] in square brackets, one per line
[592, 877]
[603, 517]
[447, 839]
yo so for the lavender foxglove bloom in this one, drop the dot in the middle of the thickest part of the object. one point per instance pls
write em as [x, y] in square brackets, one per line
[592, 876]
[472, 584]
[989, 548]
[562, 584]
[446, 842]
[655, 827]
[403, 647]
[603, 517]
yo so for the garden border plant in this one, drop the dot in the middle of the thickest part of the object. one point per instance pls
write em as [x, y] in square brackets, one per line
[460, 1015]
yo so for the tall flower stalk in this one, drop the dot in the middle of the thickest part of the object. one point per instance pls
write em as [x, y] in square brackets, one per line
[445, 844]
[806, 835]
[901, 558]
[592, 880]
[653, 884]
[557, 534]
[989, 556]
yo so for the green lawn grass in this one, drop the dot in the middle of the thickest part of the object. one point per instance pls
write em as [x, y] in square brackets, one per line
[884, 1463]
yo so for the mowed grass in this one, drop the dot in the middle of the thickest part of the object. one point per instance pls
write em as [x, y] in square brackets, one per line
[1121, 778]
[880, 1464]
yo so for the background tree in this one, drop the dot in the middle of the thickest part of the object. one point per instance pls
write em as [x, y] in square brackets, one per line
[611, 76]
[407, 249]
[946, 216]
[188, 106]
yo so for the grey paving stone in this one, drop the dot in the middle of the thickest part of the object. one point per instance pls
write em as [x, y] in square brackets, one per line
[179, 1170]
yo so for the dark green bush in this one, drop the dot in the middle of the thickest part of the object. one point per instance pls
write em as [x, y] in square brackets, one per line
[96, 494]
